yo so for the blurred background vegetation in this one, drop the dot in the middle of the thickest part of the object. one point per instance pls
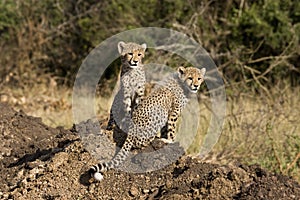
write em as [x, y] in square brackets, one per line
[255, 45]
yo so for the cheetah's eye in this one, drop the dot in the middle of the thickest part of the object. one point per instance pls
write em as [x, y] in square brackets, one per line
[139, 54]
[190, 78]
[199, 79]
[130, 54]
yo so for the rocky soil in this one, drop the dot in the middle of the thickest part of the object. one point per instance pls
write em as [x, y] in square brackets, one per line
[40, 162]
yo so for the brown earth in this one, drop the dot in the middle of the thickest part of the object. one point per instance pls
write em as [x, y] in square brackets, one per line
[40, 162]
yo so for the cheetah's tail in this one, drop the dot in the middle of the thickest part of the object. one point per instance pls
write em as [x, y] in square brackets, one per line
[115, 162]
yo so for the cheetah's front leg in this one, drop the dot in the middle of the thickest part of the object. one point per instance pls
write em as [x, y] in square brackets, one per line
[140, 94]
[111, 121]
[127, 111]
[173, 118]
[171, 126]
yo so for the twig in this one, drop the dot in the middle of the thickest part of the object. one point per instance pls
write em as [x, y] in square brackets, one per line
[241, 8]
[256, 78]
[268, 58]
[293, 163]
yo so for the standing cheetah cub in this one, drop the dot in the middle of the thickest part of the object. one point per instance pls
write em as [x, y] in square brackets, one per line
[132, 85]
[163, 106]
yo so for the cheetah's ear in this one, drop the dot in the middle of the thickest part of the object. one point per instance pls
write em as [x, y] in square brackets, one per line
[203, 71]
[181, 71]
[144, 46]
[121, 45]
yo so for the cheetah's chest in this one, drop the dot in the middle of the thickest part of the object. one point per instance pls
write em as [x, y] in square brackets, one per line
[134, 79]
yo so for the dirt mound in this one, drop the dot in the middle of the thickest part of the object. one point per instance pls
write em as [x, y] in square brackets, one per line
[39, 162]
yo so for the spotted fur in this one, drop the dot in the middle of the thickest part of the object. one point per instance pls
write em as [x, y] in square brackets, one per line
[132, 87]
[163, 106]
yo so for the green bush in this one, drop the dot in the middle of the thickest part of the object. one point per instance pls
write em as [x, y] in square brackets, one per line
[54, 36]
[8, 17]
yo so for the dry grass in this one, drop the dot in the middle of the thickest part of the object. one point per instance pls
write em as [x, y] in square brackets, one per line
[260, 129]
[53, 104]
[257, 129]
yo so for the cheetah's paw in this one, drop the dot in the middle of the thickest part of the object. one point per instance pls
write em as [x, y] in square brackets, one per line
[166, 141]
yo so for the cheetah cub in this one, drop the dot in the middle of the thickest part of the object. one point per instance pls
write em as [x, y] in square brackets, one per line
[132, 87]
[163, 106]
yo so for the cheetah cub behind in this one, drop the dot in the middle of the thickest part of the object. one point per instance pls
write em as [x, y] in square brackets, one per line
[132, 87]
[163, 106]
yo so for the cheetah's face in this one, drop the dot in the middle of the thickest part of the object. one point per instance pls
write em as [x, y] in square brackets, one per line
[192, 77]
[132, 53]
